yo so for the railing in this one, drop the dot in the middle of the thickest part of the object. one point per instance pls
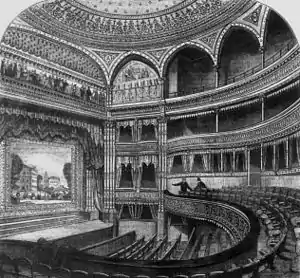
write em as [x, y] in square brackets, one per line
[107, 247]
[258, 133]
[171, 250]
[78, 94]
[142, 251]
[156, 252]
[259, 67]
[184, 251]
[195, 247]
[127, 251]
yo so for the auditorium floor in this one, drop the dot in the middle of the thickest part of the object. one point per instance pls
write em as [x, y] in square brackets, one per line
[61, 232]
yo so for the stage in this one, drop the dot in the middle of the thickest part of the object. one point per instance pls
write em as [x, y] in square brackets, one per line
[76, 235]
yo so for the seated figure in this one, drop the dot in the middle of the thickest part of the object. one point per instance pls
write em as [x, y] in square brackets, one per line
[200, 185]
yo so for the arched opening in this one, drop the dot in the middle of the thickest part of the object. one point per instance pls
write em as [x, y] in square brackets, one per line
[126, 134]
[136, 81]
[126, 176]
[148, 133]
[239, 53]
[278, 36]
[177, 164]
[189, 71]
[148, 176]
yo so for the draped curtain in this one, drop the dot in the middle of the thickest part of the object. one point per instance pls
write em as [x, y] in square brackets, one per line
[276, 157]
[264, 158]
[206, 161]
[154, 211]
[227, 162]
[286, 156]
[191, 161]
[135, 210]
[170, 163]
[16, 126]
[184, 162]
[298, 149]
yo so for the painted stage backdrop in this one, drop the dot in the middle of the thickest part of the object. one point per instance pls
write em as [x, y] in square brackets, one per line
[40, 173]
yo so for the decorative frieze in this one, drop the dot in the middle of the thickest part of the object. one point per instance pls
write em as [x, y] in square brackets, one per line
[76, 22]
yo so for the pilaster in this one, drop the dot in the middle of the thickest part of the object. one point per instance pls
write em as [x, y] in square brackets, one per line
[109, 171]
[162, 172]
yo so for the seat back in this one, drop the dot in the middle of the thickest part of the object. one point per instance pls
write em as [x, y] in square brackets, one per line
[24, 266]
[79, 274]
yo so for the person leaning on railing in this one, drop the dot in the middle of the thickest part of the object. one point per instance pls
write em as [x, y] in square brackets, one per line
[184, 186]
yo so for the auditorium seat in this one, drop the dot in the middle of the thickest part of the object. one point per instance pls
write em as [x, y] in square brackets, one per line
[41, 270]
[61, 273]
[119, 275]
[8, 266]
[24, 267]
[100, 275]
[181, 276]
[215, 274]
[198, 275]
[79, 274]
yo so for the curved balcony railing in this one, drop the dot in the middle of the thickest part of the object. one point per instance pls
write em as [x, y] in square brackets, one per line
[282, 124]
[278, 74]
[275, 57]
[219, 213]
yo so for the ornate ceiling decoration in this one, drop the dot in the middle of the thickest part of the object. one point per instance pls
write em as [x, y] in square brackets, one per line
[131, 7]
[103, 26]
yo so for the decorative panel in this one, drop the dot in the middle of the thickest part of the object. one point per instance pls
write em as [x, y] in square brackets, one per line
[136, 82]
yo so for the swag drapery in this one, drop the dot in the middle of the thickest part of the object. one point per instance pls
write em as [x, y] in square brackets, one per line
[17, 126]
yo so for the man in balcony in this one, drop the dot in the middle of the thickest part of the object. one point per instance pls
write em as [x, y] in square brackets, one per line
[184, 186]
[201, 186]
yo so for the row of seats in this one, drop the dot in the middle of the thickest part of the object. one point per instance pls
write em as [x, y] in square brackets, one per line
[278, 209]
[141, 252]
[129, 250]
[23, 267]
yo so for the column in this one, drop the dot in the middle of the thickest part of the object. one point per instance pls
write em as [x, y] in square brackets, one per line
[222, 161]
[287, 154]
[262, 53]
[217, 75]
[233, 161]
[89, 204]
[274, 158]
[262, 158]
[217, 121]
[262, 109]
[109, 214]
[162, 84]
[248, 158]
[162, 174]
[139, 130]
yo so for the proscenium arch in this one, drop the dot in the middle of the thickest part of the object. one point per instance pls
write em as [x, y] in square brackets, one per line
[79, 48]
[174, 51]
[227, 32]
[128, 57]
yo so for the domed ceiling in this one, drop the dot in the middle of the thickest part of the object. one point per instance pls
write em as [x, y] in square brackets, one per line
[118, 24]
[131, 7]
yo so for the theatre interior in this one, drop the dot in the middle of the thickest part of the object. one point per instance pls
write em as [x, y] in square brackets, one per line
[149, 139]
